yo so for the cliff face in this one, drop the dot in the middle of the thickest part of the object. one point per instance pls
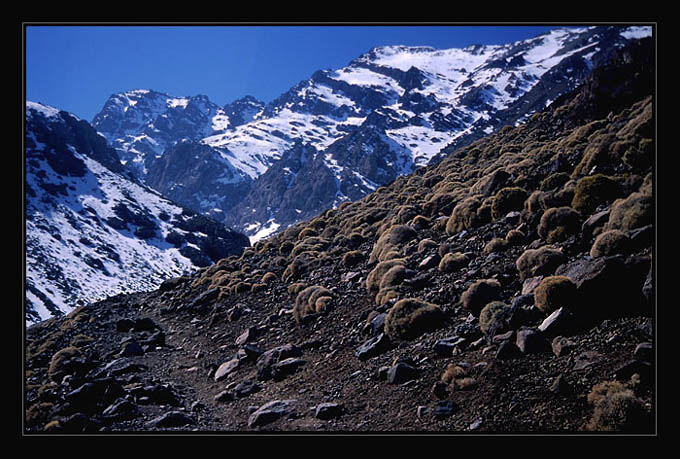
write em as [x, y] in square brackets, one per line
[507, 289]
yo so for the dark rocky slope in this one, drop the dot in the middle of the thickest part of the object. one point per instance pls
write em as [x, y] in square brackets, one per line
[509, 289]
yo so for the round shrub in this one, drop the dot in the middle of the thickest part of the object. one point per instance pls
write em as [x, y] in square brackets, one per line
[507, 200]
[452, 373]
[453, 262]
[352, 258]
[496, 244]
[375, 276]
[411, 317]
[306, 301]
[555, 292]
[558, 223]
[421, 222]
[479, 294]
[515, 237]
[64, 362]
[268, 278]
[393, 277]
[554, 181]
[391, 240]
[616, 409]
[612, 242]
[592, 191]
[489, 313]
[296, 288]
[635, 211]
[539, 262]
[426, 244]
[286, 247]
[386, 295]
[464, 216]
[307, 232]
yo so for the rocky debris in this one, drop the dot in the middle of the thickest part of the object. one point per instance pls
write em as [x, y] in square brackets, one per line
[326, 411]
[266, 362]
[560, 321]
[402, 372]
[171, 419]
[644, 352]
[226, 369]
[373, 347]
[560, 386]
[444, 409]
[508, 350]
[271, 411]
[562, 346]
[531, 340]
[285, 367]
[122, 409]
[444, 347]
[130, 349]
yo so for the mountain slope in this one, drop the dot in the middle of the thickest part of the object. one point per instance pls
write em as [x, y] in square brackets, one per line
[508, 289]
[92, 232]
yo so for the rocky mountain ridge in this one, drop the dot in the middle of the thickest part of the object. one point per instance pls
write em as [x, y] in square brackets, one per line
[508, 289]
[92, 230]
[396, 107]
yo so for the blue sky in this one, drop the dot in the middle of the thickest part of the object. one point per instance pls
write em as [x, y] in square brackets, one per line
[76, 68]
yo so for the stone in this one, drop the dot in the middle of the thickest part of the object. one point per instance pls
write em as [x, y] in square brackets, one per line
[627, 370]
[530, 285]
[508, 350]
[131, 349]
[123, 366]
[248, 353]
[171, 419]
[285, 368]
[530, 341]
[377, 324]
[226, 369]
[562, 346]
[124, 325]
[586, 359]
[248, 335]
[560, 386]
[440, 390]
[267, 360]
[644, 351]
[224, 396]
[429, 262]
[373, 347]
[444, 346]
[561, 321]
[401, 373]
[161, 394]
[444, 409]
[270, 412]
[507, 336]
[245, 388]
[145, 324]
[121, 409]
[327, 411]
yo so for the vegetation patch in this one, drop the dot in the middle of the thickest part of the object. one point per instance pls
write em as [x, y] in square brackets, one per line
[558, 224]
[411, 317]
[555, 292]
[479, 294]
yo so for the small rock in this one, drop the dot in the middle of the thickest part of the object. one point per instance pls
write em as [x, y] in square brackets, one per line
[373, 347]
[644, 351]
[559, 322]
[224, 396]
[270, 412]
[124, 325]
[121, 409]
[562, 346]
[508, 350]
[285, 367]
[171, 419]
[644, 369]
[531, 341]
[429, 262]
[225, 369]
[440, 390]
[444, 347]
[249, 335]
[131, 349]
[530, 285]
[560, 386]
[444, 409]
[507, 336]
[586, 359]
[401, 373]
[421, 411]
[327, 411]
